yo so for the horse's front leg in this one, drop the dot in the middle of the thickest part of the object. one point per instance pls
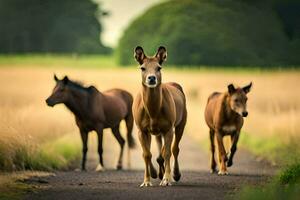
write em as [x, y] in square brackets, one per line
[168, 137]
[100, 166]
[84, 138]
[234, 141]
[222, 154]
[145, 140]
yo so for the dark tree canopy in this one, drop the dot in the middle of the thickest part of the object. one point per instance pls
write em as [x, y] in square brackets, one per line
[50, 26]
[214, 32]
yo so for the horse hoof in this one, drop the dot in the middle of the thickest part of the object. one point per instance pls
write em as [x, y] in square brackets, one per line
[165, 182]
[160, 175]
[119, 167]
[99, 168]
[146, 184]
[212, 171]
[176, 174]
[153, 173]
[229, 163]
[222, 173]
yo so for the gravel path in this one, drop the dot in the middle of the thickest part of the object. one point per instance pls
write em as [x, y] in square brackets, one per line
[196, 181]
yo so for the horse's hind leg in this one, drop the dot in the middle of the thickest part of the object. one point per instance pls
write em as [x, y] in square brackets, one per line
[130, 140]
[84, 138]
[121, 141]
[212, 150]
[160, 159]
[100, 166]
[129, 125]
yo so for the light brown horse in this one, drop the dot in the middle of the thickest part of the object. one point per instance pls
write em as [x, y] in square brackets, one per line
[95, 111]
[158, 109]
[224, 114]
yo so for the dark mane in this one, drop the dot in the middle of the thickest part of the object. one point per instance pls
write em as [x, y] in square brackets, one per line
[77, 85]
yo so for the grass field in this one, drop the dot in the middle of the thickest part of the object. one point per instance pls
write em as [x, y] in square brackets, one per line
[34, 136]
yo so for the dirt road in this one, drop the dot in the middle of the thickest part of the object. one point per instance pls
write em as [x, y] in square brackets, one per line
[196, 181]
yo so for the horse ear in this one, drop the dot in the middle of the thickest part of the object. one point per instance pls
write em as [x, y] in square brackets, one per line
[65, 80]
[247, 88]
[55, 78]
[231, 88]
[161, 54]
[139, 55]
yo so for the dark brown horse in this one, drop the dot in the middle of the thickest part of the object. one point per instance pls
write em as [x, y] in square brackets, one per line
[95, 111]
[160, 110]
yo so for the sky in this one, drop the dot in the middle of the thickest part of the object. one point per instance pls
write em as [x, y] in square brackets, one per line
[122, 12]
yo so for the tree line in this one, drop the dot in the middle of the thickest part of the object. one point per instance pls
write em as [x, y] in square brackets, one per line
[214, 32]
[61, 26]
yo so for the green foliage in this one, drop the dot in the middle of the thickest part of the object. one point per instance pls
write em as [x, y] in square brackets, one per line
[290, 175]
[59, 154]
[210, 33]
[284, 186]
[50, 26]
[273, 148]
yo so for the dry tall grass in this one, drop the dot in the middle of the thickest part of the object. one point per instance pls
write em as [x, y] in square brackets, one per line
[27, 123]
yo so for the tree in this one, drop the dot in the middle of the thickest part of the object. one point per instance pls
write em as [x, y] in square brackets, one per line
[210, 32]
[50, 26]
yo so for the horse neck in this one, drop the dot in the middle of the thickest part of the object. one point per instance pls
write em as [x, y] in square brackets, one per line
[77, 102]
[152, 98]
[228, 112]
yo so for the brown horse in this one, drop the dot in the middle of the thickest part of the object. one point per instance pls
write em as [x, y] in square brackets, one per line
[224, 114]
[159, 109]
[95, 111]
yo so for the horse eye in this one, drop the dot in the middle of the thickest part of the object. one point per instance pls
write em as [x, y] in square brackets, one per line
[158, 69]
[143, 69]
[236, 100]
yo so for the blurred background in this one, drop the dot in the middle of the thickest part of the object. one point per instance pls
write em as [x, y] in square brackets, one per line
[210, 44]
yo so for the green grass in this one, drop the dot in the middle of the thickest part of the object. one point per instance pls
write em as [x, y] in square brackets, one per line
[58, 154]
[58, 60]
[272, 148]
[15, 190]
[109, 61]
[286, 184]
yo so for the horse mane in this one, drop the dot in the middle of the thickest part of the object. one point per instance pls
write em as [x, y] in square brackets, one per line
[78, 85]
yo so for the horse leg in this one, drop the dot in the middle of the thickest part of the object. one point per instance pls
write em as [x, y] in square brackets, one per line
[145, 140]
[222, 155]
[212, 150]
[160, 159]
[130, 140]
[168, 137]
[234, 140]
[129, 125]
[84, 138]
[100, 166]
[175, 149]
[121, 141]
